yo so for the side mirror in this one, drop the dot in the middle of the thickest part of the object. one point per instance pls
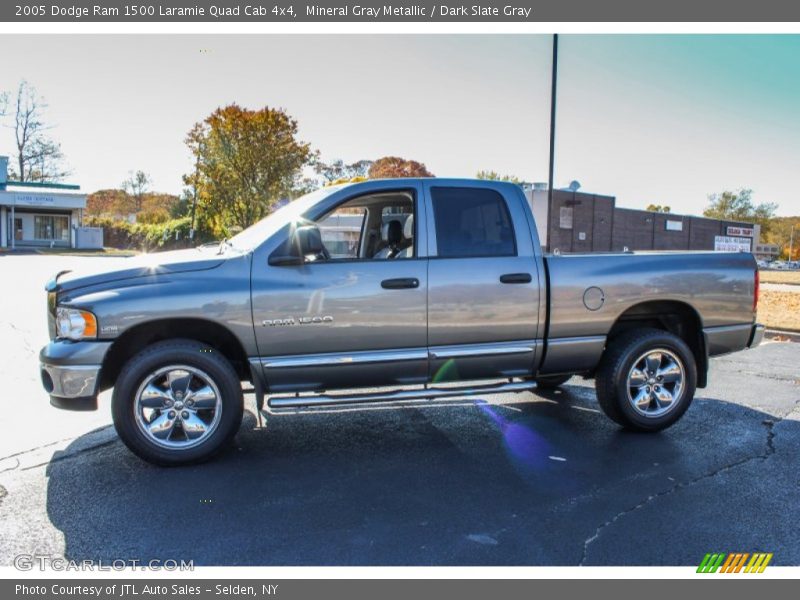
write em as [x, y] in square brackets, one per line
[304, 241]
[309, 240]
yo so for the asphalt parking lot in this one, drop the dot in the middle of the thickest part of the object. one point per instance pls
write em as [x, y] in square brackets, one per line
[526, 479]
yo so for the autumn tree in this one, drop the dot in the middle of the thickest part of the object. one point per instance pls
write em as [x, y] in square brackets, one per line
[120, 204]
[739, 206]
[137, 185]
[245, 161]
[337, 169]
[394, 166]
[39, 158]
[108, 203]
[659, 208]
[781, 233]
[495, 176]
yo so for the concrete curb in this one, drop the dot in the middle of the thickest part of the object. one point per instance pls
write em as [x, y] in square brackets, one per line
[790, 336]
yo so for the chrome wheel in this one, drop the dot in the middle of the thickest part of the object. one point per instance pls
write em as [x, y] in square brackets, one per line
[656, 383]
[178, 407]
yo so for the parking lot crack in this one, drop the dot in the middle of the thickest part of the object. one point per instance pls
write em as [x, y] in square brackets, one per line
[769, 450]
[12, 467]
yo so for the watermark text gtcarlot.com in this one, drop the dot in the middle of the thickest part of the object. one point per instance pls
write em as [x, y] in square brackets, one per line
[33, 562]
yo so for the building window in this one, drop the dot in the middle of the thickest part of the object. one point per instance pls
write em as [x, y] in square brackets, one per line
[51, 228]
[565, 217]
[674, 225]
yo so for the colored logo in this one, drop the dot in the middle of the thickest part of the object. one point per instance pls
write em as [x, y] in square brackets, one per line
[735, 562]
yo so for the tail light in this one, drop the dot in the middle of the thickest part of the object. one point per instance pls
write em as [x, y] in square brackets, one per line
[756, 289]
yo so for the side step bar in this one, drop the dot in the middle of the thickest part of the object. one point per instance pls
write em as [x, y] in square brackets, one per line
[431, 393]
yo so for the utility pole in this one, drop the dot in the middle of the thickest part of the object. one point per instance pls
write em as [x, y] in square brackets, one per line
[194, 199]
[791, 242]
[553, 84]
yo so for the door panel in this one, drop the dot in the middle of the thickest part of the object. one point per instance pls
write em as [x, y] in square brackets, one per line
[483, 312]
[352, 322]
[332, 325]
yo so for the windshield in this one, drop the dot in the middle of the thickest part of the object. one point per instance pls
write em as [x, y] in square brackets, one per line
[269, 225]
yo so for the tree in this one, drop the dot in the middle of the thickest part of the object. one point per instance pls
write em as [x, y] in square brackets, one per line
[738, 206]
[495, 176]
[39, 158]
[394, 166]
[658, 208]
[337, 169]
[108, 203]
[780, 233]
[246, 160]
[137, 186]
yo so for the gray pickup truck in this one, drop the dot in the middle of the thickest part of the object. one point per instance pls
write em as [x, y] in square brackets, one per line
[387, 291]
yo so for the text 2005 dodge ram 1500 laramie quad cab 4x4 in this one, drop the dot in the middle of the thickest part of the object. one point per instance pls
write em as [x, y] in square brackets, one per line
[387, 290]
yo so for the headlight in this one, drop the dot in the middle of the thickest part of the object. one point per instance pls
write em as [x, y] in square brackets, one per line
[74, 324]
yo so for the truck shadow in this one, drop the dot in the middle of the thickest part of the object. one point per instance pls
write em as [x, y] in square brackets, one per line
[471, 483]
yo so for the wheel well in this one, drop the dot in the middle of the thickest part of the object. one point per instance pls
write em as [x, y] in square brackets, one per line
[131, 341]
[676, 317]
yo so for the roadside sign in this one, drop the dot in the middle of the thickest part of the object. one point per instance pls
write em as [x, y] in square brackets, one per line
[741, 231]
[723, 243]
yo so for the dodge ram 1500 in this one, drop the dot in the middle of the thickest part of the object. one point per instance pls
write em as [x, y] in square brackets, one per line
[387, 290]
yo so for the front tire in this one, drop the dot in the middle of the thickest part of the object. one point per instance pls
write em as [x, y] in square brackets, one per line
[646, 379]
[177, 402]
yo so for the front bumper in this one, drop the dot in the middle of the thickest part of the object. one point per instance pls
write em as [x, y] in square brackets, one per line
[70, 373]
[757, 336]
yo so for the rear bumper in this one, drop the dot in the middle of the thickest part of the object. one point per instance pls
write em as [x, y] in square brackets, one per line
[70, 373]
[732, 338]
[757, 336]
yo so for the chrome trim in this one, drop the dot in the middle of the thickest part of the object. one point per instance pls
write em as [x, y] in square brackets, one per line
[398, 395]
[494, 349]
[347, 358]
[75, 381]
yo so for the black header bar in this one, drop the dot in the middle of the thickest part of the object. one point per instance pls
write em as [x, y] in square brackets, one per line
[321, 11]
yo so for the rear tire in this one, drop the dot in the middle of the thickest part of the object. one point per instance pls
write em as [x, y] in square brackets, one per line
[177, 402]
[646, 379]
[551, 382]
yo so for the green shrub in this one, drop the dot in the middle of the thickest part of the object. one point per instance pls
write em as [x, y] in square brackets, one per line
[168, 235]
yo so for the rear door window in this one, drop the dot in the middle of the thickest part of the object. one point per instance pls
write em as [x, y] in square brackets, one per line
[472, 222]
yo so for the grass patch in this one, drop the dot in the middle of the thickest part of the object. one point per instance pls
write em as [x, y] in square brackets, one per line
[779, 310]
[791, 277]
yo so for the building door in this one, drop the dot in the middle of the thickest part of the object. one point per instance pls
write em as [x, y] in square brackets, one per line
[18, 229]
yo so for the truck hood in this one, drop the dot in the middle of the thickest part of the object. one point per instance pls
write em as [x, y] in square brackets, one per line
[143, 265]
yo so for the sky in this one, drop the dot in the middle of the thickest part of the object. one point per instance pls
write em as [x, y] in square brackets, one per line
[649, 119]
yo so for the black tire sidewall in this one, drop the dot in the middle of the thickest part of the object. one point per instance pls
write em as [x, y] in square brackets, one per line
[161, 355]
[654, 341]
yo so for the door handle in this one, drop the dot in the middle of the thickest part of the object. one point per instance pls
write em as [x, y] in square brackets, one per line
[516, 278]
[400, 284]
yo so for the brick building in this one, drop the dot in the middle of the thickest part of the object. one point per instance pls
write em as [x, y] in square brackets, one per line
[582, 222]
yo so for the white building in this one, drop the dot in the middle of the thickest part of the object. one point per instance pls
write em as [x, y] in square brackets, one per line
[34, 214]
